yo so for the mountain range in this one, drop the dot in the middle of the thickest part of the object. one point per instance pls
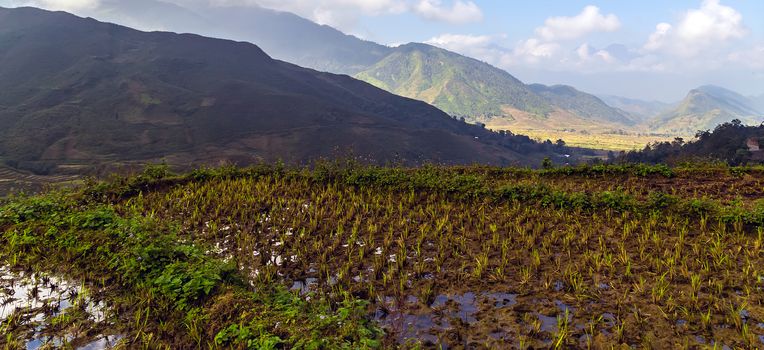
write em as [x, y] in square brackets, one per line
[639, 110]
[456, 84]
[282, 35]
[203, 102]
[79, 90]
[706, 107]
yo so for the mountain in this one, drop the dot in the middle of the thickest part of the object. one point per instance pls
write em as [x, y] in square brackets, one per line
[76, 90]
[638, 109]
[151, 15]
[706, 107]
[456, 84]
[282, 35]
[467, 87]
[758, 102]
[294, 39]
[584, 105]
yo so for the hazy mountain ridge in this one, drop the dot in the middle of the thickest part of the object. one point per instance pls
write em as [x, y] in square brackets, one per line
[706, 107]
[582, 104]
[638, 109]
[74, 89]
[758, 101]
[282, 35]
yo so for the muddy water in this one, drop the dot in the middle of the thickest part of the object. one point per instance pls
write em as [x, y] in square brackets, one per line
[413, 320]
[31, 304]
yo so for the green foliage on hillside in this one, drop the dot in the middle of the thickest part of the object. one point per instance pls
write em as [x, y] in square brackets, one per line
[454, 83]
[726, 143]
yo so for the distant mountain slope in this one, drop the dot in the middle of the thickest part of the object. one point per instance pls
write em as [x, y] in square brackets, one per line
[582, 104]
[638, 109]
[282, 35]
[454, 83]
[758, 101]
[464, 86]
[151, 15]
[297, 40]
[74, 89]
[706, 107]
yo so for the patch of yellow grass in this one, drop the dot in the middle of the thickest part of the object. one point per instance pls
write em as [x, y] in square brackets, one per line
[606, 141]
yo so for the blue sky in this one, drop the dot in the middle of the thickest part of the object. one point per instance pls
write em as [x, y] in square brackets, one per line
[518, 19]
[645, 49]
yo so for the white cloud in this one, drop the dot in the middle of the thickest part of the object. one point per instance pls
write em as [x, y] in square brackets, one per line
[708, 27]
[345, 14]
[587, 54]
[482, 47]
[534, 50]
[658, 38]
[588, 21]
[753, 57]
[460, 12]
[712, 21]
[550, 46]
[460, 42]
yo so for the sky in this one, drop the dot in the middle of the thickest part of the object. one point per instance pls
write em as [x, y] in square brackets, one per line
[649, 49]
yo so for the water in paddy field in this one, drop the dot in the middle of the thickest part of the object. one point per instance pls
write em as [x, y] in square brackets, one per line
[32, 304]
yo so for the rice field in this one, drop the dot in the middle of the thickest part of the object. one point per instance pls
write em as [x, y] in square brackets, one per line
[348, 256]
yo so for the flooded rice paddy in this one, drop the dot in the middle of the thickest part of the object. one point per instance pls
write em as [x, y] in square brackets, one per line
[42, 309]
[439, 258]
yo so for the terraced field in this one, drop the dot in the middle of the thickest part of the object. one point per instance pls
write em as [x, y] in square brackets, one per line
[357, 257]
[12, 181]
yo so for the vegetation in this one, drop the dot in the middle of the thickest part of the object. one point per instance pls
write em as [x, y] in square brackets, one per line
[455, 84]
[608, 140]
[726, 143]
[705, 108]
[585, 256]
[582, 104]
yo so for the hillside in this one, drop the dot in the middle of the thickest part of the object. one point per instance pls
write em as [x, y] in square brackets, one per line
[288, 37]
[726, 143]
[581, 104]
[78, 90]
[463, 86]
[454, 83]
[284, 36]
[758, 102]
[638, 109]
[706, 107]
